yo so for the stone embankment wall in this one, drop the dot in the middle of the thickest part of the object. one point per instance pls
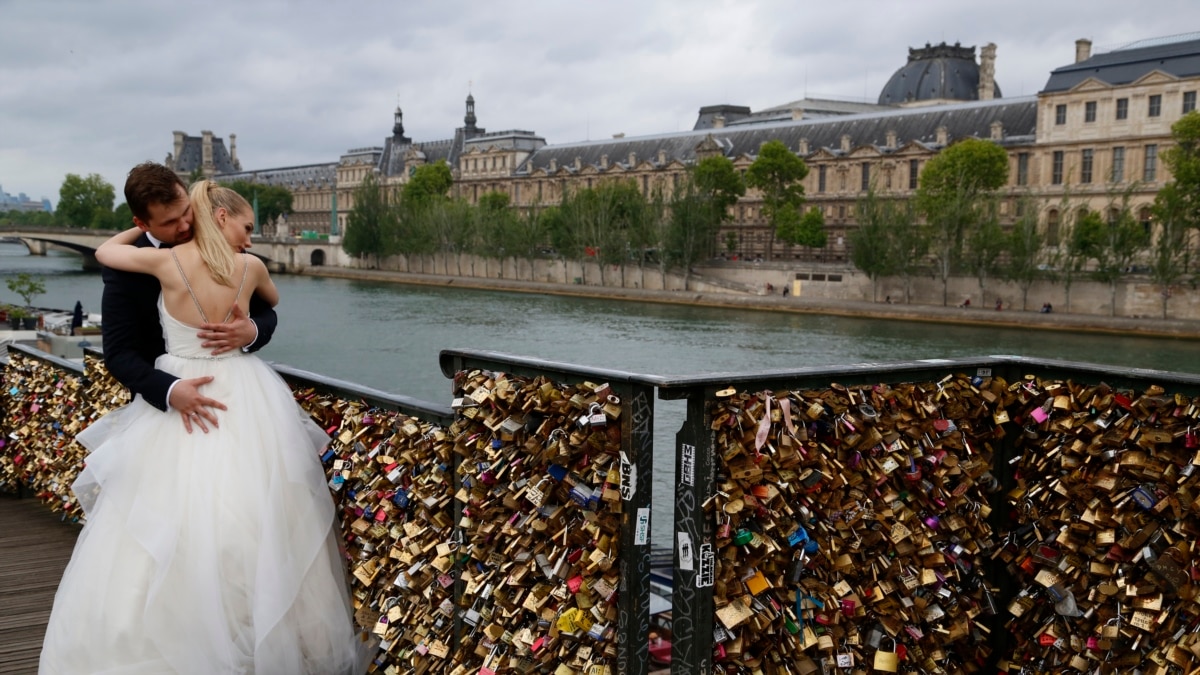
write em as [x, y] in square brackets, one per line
[1135, 296]
[556, 271]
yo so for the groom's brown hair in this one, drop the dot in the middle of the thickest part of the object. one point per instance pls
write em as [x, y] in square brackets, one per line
[151, 183]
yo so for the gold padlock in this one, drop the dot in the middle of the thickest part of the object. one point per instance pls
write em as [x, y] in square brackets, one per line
[888, 662]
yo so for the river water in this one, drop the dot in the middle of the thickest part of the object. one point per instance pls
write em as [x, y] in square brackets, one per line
[388, 336]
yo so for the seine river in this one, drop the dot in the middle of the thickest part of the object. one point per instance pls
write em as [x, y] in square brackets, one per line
[388, 336]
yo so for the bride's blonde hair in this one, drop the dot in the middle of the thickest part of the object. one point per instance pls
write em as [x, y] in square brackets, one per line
[208, 196]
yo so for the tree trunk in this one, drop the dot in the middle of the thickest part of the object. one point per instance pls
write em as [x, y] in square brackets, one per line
[874, 288]
[907, 289]
[1166, 296]
[1024, 297]
[1112, 298]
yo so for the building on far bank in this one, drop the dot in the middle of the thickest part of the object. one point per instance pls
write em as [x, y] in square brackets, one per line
[1095, 131]
[22, 202]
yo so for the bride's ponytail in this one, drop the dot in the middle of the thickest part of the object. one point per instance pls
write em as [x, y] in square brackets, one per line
[208, 196]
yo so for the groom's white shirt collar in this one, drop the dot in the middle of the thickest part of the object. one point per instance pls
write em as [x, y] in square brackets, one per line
[156, 242]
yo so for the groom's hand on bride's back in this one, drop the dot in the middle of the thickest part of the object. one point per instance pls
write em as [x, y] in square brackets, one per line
[196, 408]
[239, 333]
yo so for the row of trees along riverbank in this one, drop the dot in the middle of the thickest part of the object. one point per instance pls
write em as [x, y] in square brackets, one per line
[613, 224]
[953, 225]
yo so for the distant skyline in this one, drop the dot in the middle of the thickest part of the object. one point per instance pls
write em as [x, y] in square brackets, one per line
[94, 87]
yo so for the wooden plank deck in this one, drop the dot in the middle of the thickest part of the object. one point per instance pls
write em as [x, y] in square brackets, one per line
[34, 549]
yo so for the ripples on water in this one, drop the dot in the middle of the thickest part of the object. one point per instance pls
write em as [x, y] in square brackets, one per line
[388, 336]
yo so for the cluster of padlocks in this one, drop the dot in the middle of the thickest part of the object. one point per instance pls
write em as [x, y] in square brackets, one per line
[1106, 513]
[525, 536]
[850, 524]
[1041, 525]
[540, 494]
[45, 407]
[391, 476]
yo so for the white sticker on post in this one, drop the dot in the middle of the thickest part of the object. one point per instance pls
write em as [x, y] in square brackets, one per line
[628, 478]
[685, 551]
[641, 532]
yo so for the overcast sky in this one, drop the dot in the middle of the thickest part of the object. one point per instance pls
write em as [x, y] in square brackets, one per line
[96, 87]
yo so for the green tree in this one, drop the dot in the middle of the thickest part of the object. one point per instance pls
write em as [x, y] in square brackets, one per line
[871, 248]
[1183, 160]
[428, 181]
[122, 217]
[776, 173]
[909, 245]
[949, 196]
[1113, 245]
[1025, 247]
[985, 244]
[697, 210]
[371, 222]
[495, 224]
[79, 200]
[273, 200]
[27, 286]
[1170, 255]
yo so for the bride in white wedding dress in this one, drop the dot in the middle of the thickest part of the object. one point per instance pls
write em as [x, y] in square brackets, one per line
[209, 552]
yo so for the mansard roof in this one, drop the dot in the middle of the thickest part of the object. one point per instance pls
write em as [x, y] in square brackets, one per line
[307, 175]
[191, 157]
[1180, 58]
[1018, 117]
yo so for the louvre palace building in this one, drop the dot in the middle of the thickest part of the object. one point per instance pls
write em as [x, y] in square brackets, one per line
[1095, 130]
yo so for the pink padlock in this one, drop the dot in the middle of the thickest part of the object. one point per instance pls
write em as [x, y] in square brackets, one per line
[1038, 415]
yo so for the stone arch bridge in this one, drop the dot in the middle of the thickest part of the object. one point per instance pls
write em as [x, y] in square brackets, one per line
[282, 254]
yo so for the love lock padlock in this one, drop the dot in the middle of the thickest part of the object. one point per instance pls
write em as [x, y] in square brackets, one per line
[845, 658]
[888, 662]
[595, 416]
[535, 494]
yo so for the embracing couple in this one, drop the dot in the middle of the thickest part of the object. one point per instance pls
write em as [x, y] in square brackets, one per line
[210, 544]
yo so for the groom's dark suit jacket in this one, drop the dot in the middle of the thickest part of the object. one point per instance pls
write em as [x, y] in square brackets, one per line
[133, 335]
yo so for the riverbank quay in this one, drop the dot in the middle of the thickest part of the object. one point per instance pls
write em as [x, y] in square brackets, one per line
[852, 493]
[966, 316]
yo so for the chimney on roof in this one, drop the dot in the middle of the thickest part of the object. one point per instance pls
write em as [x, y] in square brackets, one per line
[632, 160]
[206, 153]
[603, 162]
[662, 156]
[803, 147]
[987, 72]
[578, 163]
[620, 134]
[797, 113]
[718, 121]
[943, 135]
[179, 136]
[891, 139]
[1083, 50]
[845, 142]
[997, 130]
[553, 168]
[233, 152]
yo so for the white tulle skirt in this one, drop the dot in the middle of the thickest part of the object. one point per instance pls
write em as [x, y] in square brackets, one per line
[205, 553]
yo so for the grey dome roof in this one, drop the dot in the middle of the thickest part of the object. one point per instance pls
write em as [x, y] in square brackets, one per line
[935, 72]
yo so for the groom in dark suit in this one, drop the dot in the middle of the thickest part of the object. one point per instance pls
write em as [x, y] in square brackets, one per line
[133, 336]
